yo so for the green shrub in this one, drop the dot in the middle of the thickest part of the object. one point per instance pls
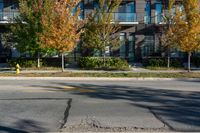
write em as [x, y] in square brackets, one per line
[177, 63]
[98, 63]
[196, 61]
[89, 62]
[157, 63]
[23, 62]
[161, 62]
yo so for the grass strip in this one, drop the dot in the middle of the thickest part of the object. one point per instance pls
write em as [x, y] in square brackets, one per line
[106, 74]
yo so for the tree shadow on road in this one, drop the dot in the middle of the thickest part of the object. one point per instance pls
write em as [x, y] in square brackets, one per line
[179, 107]
[23, 126]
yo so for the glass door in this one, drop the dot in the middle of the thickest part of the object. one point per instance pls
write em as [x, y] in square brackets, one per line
[131, 48]
[122, 50]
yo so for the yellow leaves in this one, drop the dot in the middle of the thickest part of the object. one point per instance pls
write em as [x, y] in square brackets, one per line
[61, 27]
[186, 29]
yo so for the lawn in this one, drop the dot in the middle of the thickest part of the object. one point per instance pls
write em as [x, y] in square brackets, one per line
[107, 74]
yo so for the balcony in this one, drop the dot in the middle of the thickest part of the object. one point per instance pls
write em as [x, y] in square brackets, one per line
[8, 17]
[125, 18]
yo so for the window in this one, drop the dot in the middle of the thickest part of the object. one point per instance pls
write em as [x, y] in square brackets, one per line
[148, 46]
[1, 5]
[126, 12]
[127, 7]
[14, 6]
[130, 7]
[131, 47]
[81, 6]
[1, 9]
[147, 17]
[95, 4]
[158, 13]
[122, 45]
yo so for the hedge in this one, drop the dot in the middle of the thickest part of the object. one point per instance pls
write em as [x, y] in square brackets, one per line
[94, 63]
[162, 62]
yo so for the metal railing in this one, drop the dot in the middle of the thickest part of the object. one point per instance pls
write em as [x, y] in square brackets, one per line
[8, 16]
[124, 17]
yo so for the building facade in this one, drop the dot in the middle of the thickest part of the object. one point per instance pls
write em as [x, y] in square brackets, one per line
[141, 24]
[8, 11]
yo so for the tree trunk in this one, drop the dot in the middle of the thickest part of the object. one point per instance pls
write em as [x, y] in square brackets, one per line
[63, 63]
[168, 59]
[38, 60]
[104, 55]
[74, 54]
[189, 64]
[168, 62]
[104, 59]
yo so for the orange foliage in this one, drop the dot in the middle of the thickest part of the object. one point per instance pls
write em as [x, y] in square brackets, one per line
[61, 26]
[186, 30]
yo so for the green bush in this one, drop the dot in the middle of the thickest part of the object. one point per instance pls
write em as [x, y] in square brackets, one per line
[161, 62]
[157, 63]
[23, 62]
[98, 63]
[196, 61]
[176, 63]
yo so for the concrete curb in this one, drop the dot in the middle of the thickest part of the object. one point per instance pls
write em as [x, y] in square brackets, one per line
[99, 79]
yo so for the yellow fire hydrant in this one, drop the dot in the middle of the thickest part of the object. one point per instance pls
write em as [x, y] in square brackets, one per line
[17, 69]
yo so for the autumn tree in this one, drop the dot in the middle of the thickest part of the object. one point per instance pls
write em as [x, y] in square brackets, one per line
[101, 27]
[28, 27]
[61, 26]
[167, 33]
[186, 29]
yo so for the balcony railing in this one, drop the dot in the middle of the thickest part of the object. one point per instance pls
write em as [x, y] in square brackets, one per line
[124, 17]
[8, 16]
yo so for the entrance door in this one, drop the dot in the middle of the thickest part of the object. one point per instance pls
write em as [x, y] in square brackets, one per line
[131, 48]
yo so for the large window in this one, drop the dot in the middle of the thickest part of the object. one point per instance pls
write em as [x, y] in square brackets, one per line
[8, 10]
[148, 46]
[128, 7]
[81, 6]
[122, 50]
[1, 9]
[127, 47]
[1, 5]
[126, 12]
[147, 17]
[158, 13]
[95, 4]
[131, 47]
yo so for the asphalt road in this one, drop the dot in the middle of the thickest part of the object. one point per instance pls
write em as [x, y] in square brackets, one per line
[49, 105]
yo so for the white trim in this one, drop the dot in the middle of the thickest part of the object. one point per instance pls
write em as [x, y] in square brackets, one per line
[6, 22]
[128, 22]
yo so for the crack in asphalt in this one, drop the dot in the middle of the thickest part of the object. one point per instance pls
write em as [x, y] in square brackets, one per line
[93, 125]
[150, 108]
[66, 113]
[161, 120]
